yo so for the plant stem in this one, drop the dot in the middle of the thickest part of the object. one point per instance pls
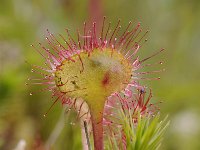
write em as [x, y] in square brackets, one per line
[97, 126]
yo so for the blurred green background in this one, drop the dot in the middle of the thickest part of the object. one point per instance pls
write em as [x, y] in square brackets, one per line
[173, 24]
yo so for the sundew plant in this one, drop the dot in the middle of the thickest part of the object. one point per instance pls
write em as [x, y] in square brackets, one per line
[97, 74]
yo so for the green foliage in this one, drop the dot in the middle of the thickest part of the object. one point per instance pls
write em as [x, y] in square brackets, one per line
[146, 134]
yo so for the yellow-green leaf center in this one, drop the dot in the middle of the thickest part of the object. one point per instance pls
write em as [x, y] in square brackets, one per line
[94, 77]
